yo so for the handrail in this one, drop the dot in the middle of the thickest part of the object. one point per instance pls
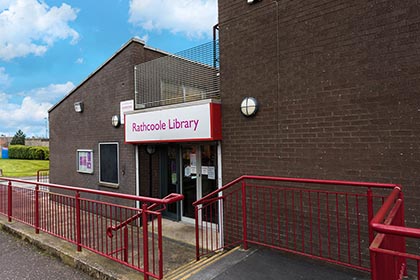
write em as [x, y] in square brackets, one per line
[379, 226]
[139, 213]
[42, 174]
[297, 180]
[170, 199]
[386, 206]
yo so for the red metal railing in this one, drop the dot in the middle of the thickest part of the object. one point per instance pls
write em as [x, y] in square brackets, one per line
[321, 219]
[389, 259]
[92, 219]
[42, 175]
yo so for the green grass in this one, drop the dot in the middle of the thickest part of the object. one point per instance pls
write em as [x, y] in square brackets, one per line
[22, 167]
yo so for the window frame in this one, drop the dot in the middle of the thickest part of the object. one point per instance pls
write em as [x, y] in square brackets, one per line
[104, 183]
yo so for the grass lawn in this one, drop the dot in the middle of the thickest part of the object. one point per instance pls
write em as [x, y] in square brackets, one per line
[22, 167]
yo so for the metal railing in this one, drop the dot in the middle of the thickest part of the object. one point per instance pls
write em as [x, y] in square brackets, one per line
[389, 259]
[187, 76]
[92, 219]
[42, 175]
[322, 219]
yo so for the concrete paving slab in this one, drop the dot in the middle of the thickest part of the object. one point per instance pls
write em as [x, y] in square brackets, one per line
[274, 265]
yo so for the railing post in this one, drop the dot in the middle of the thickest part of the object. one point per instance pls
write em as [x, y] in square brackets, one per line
[369, 197]
[373, 272]
[160, 242]
[244, 217]
[9, 201]
[197, 238]
[145, 242]
[370, 214]
[402, 223]
[126, 244]
[78, 225]
[36, 208]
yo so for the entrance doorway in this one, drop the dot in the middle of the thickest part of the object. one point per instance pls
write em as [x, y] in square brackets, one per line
[199, 175]
[190, 169]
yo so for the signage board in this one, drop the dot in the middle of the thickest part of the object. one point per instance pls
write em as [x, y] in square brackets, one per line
[200, 122]
[125, 106]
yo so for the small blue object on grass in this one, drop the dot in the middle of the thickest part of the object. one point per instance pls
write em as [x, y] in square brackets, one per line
[4, 153]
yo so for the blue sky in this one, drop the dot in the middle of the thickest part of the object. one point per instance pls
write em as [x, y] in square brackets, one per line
[48, 47]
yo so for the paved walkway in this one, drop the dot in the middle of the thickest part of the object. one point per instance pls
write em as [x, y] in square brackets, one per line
[19, 260]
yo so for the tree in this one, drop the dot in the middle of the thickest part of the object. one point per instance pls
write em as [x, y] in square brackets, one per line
[19, 138]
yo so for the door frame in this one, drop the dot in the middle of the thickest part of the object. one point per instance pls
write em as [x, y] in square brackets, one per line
[164, 179]
[198, 185]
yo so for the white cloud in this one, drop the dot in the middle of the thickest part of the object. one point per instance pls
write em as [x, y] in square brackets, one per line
[194, 18]
[4, 78]
[51, 93]
[30, 114]
[79, 60]
[4, 98]
[31, 27]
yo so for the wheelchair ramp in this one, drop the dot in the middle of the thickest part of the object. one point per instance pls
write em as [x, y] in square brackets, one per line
[268, 264]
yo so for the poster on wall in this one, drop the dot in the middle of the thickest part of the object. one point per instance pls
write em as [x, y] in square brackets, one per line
[85, 161]
[125, 106]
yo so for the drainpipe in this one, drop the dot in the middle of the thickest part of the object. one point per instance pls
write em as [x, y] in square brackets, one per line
[215, 29]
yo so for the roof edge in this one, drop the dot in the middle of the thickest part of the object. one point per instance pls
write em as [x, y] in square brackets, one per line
[132, 40]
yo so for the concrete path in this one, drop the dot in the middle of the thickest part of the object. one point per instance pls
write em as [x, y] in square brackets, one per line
[19, 260]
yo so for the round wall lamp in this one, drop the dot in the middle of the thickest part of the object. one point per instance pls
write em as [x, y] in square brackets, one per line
[115, 121]
[150, 149]
[252, 1]
[249, 106]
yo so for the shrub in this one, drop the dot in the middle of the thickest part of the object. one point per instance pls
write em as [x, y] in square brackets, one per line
[26, 152]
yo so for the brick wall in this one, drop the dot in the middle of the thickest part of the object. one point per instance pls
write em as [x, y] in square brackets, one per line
[4, 141]
[40, 142]
[338, 83]
[101, 94]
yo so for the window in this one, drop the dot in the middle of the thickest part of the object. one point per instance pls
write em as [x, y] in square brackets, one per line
[108, 163]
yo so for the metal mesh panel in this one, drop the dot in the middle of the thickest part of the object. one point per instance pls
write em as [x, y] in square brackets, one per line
[187, 76]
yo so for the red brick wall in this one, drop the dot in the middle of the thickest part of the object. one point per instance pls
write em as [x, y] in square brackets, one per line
[338, 83]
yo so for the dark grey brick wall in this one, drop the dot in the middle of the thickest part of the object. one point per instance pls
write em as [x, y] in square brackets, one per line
[338, 83]
[101, 94]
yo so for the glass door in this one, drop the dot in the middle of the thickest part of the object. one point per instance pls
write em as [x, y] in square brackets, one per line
[209, 178]
[199, 176]
[172, 209]
[169, 178]
[190, 174]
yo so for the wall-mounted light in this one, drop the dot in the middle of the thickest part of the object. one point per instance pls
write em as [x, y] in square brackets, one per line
[252, 1]
[150, 149]
[78, 107]
[249, 106]
[115, 121]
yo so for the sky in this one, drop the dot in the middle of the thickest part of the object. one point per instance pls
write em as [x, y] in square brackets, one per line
[48, 47]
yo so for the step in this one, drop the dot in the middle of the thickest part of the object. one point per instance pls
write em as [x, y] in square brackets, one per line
[186, 271]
